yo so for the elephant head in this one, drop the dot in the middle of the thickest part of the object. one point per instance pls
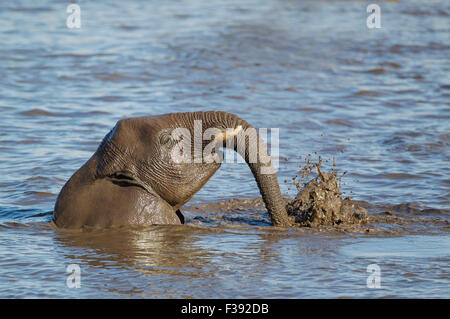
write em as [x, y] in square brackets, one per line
[140, 174]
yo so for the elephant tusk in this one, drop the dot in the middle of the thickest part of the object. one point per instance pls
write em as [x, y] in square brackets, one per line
[227, 134]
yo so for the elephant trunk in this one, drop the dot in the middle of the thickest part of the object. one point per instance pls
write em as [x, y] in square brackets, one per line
[252, 148]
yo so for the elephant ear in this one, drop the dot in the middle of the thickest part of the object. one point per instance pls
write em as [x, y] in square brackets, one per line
[172, 170]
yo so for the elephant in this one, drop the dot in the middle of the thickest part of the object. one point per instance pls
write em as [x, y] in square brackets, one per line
[134, 178]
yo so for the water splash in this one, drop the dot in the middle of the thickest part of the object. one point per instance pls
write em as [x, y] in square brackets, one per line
[319, 202]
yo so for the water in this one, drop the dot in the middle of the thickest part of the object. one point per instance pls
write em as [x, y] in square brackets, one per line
[376, 100]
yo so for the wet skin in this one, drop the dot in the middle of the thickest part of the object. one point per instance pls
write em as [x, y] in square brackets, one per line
[132, 178]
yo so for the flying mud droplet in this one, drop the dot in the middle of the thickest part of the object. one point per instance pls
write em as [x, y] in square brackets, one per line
[319, 202]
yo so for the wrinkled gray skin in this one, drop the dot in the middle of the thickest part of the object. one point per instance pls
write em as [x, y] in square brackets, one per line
[132, 180]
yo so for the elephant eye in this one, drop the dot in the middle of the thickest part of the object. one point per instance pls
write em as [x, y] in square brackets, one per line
[121, 176]
[124, 179]
[165, 138]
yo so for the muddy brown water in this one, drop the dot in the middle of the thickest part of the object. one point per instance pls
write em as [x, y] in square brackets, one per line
[375, 101]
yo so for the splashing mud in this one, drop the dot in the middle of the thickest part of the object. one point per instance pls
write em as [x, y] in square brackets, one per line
[320, 205]
[319, 202]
